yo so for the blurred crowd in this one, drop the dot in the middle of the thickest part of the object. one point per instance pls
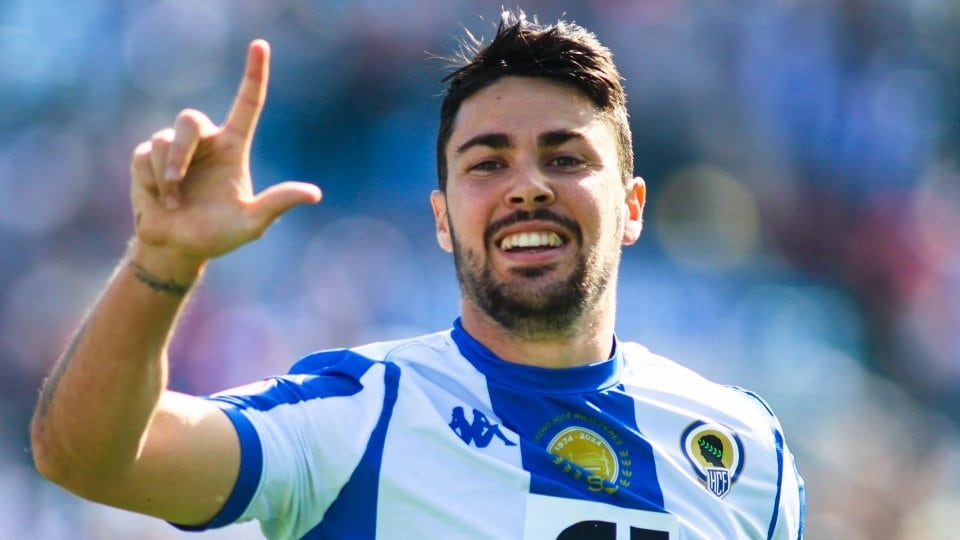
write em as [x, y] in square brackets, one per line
[802, 235]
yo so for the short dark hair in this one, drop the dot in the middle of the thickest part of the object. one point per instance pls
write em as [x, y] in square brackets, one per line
[563, 52]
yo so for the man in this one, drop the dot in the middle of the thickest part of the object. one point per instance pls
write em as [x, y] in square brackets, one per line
[527, 419]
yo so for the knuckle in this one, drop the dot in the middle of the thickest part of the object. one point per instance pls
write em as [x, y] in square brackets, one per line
[162, 138]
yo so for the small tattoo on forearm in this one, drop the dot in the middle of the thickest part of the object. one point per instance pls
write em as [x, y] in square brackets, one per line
[168, 286]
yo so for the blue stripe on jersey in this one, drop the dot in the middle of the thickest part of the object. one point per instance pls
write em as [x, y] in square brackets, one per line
[354, 513]
[339, 375]
[539, 419]
[540, 403]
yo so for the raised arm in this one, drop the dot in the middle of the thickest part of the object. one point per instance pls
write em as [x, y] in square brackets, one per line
[105, 426]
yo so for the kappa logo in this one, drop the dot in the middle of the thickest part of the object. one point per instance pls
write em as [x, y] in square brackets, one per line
[716, 454]
[480, 431]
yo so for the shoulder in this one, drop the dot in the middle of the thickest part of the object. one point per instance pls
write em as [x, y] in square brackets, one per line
[719, 428]
[420, 348]
[675, 385]
[336, 373]
[645, 369]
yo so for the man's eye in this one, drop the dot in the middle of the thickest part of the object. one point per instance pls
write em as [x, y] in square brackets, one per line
[566, 162]
[487, 166]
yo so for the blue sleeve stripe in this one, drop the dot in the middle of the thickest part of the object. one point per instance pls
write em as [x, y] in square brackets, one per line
[248, 477]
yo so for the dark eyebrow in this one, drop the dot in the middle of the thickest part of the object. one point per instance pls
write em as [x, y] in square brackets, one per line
[552, 139]
[497, 141]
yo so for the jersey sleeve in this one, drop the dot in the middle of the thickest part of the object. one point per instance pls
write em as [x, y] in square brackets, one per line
[793, 502]
[788, 517]
[301, 437]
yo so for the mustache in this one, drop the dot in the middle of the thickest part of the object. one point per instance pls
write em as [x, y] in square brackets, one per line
[540, 214]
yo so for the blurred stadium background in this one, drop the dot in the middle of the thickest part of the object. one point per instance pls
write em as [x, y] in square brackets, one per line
[802, 235]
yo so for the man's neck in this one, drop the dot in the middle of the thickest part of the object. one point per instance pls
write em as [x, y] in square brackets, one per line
[589, 342]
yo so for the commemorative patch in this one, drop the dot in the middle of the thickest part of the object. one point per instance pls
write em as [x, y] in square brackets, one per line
[589, 451]
[716, 454]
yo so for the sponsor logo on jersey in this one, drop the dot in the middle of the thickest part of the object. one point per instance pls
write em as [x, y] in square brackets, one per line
[716, 454]
[595, 455]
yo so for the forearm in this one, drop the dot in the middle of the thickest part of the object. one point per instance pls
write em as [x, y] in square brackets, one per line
[96, 405]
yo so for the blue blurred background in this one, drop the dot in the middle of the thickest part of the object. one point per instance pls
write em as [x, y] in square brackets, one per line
[801, 236]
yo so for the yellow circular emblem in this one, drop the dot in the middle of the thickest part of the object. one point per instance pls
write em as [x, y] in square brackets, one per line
[587, 449]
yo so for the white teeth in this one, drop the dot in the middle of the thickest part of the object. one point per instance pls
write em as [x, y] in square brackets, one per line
[531, 239]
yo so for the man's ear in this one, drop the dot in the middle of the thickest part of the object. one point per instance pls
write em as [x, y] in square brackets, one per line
[439, 203]
[635, 200]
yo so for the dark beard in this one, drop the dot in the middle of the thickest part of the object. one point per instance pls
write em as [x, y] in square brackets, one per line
[554, 311]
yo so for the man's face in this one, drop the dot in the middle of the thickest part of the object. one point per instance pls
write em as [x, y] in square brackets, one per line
[536, 210]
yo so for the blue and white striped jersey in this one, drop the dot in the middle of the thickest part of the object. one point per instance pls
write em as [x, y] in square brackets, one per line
[436, 437]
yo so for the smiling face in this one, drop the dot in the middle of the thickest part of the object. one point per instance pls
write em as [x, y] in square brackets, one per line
[535, 209]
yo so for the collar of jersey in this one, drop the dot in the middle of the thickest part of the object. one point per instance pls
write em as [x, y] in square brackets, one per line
[575, 380]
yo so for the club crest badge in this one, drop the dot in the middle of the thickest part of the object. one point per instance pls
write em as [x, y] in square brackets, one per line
[716, 454]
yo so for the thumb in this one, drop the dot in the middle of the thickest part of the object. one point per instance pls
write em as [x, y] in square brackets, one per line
[276, 200]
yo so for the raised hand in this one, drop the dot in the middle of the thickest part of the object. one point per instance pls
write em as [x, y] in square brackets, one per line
[191, 192]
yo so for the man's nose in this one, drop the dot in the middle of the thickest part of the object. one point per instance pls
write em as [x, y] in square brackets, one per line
[530, 189]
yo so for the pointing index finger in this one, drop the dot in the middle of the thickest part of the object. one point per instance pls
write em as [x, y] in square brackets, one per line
[252, 93]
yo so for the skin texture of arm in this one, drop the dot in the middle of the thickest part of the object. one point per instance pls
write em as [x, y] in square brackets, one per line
[105, 426]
